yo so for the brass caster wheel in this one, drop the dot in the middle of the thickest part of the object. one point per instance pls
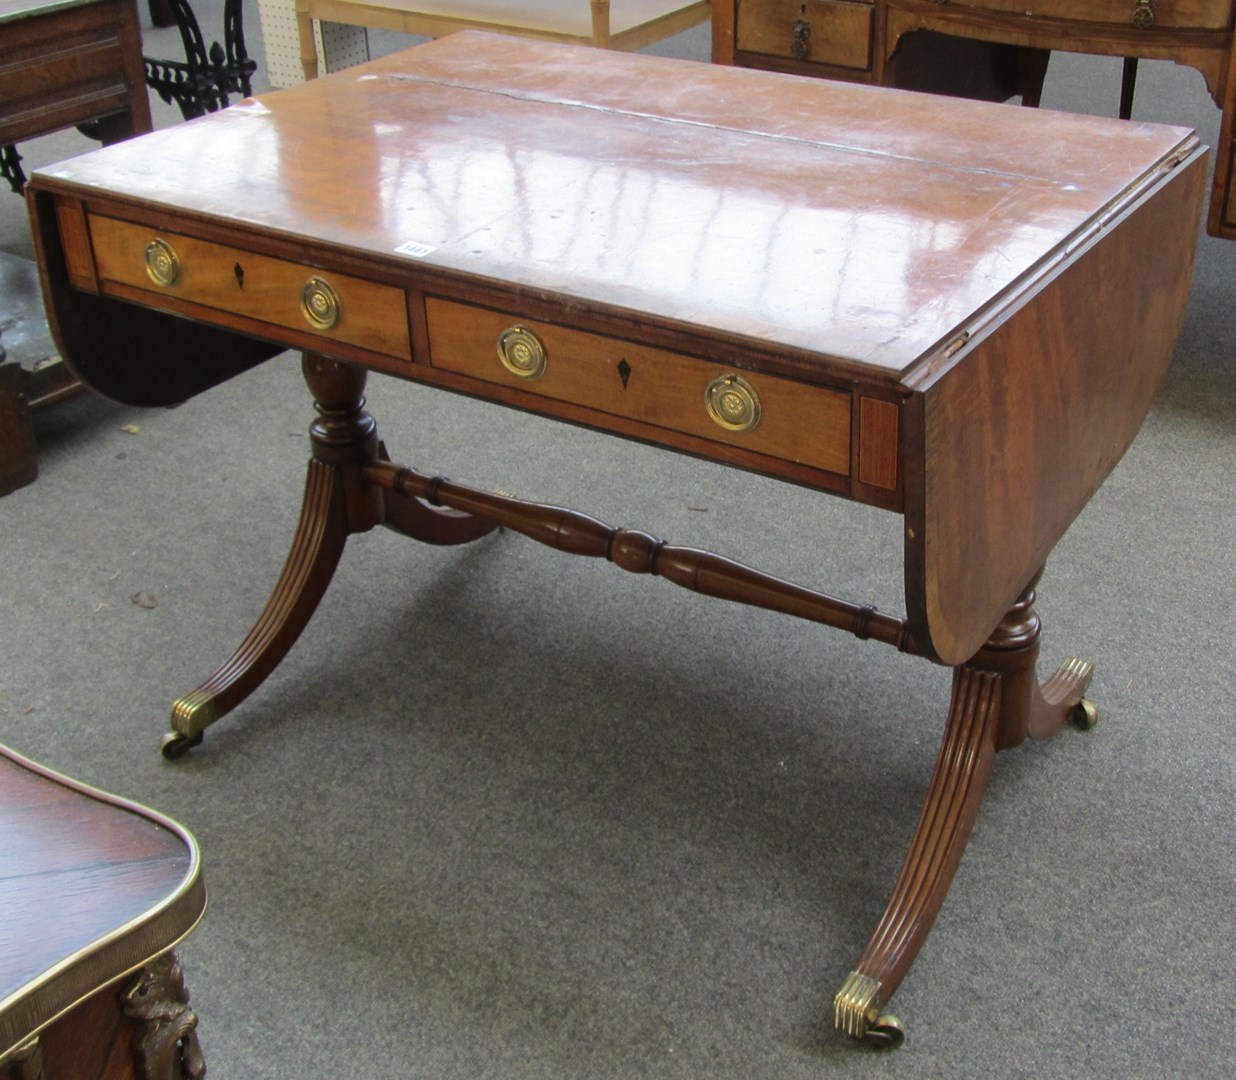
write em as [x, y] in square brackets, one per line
[885, 1034]
[175, 745]
[1085, 714]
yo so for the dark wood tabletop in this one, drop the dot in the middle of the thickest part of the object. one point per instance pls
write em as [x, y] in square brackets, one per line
[91, 888]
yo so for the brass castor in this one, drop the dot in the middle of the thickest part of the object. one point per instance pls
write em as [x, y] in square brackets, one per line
[885, 1034]
[1085, 714]
[175, 745]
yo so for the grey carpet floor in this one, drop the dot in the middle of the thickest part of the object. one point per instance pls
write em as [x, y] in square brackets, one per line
[504, 814]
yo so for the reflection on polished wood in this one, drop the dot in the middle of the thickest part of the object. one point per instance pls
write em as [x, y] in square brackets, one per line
[936, 308]
[916, 43]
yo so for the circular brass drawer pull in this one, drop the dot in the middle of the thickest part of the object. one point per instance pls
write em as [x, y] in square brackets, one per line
[522, 353]
[162, 265]
[320, 304]
[732, 402]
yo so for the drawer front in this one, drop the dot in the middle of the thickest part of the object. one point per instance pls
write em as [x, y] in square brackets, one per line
[335, 307]
[788, 420]
[819, 31]
[1147, 15]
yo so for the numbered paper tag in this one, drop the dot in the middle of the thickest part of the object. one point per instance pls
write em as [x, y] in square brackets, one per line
[415, 249]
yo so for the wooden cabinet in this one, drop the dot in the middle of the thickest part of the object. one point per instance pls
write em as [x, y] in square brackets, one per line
[71, 63]
[1145, 15]
[954, 46]
[832, 32]
[62, 63]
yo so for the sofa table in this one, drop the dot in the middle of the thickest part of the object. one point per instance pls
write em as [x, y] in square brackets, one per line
[934, 308]
[95, 893]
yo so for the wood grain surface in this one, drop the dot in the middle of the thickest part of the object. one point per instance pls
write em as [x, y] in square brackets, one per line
[93, 888]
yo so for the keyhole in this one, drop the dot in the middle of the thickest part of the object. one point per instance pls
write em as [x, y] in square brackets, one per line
[239, 271]
[624, 372]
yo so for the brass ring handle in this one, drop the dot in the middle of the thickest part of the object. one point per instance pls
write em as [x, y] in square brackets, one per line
[522, 353]
[1143, 14]
[320, 304]
[732, 402]
[162, 265]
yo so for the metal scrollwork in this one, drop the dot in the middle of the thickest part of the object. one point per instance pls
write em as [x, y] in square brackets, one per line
[800, 39]
[25, 1062]
[202, 82]
[11, 170]
[165, 1046]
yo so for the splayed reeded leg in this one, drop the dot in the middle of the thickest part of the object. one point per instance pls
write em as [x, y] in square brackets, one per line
[310, 565]
[338, 502]
[996, 702]
[343, 437]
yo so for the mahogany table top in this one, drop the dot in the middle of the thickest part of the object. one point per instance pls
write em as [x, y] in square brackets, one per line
[840, 220]
[93, 887]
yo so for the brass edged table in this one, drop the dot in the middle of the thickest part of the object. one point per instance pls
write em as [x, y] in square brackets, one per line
[95, 894]
[937, 307]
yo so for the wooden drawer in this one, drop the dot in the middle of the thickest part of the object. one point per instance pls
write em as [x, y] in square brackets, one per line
[1168, 14]
[794, 421]
[820, 31]
[60, 68]
[335, 307]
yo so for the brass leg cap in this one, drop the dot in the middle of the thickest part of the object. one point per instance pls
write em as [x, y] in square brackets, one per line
[193, 714]
[856, 1011]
